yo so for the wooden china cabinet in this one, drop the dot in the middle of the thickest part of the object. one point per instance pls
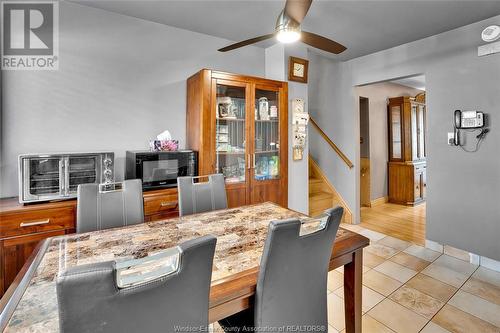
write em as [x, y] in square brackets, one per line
[407, 151]
[238, 125]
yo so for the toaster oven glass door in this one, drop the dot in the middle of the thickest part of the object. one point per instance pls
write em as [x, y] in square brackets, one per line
[81, 170]
[43, 178]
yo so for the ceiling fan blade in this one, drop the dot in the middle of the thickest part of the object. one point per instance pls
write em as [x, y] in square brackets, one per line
[321, 42]
[297, 9]
[246, 42]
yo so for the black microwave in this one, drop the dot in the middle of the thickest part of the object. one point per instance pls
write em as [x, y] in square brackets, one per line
[160, 169]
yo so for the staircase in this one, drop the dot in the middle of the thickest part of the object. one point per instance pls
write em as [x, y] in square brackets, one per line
[322, 195]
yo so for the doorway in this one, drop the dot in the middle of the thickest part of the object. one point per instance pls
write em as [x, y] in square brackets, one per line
[392, 161]
[364, 142]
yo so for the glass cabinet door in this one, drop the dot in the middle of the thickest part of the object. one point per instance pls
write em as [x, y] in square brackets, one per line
[266, 135]
[415, 149]
[396, 132]
[230, 136]
[421, 131]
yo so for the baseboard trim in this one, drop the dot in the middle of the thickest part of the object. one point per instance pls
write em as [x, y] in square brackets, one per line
[494, 265]
[474, 259]
[379, 201]
[434, 246]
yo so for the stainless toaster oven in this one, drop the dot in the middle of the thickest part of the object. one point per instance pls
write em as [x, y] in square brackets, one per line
[45, 177]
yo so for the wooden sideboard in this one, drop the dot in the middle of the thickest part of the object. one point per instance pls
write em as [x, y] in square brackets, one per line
[23, 226]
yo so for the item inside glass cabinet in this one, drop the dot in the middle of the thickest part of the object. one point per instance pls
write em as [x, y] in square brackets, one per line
[267, 135]
[266, 167]
[230, 132]
[263, 108]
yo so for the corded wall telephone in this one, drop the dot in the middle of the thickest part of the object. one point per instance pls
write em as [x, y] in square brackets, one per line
[469, 119]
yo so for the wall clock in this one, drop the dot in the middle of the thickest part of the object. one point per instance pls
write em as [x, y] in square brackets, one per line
[297, 69]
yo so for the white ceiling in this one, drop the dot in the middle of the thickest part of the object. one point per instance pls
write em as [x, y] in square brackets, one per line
[363, 27]
[417, 82]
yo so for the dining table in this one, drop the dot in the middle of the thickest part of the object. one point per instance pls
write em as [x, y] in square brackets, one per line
[30, 304]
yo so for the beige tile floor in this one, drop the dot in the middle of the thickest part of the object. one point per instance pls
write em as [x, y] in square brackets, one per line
[408, 288]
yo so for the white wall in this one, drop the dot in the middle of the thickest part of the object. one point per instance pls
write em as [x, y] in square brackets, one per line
[121, 81]
[328, 85]
[377, 95]
[463, 188]
[298, 171]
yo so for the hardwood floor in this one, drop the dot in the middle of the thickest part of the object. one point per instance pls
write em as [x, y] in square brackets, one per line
[404, 222]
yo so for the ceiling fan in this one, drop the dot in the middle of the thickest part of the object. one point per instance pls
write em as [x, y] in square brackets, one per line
[288, 30]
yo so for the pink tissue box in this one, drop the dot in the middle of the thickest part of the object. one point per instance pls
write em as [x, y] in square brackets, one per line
[164, 145]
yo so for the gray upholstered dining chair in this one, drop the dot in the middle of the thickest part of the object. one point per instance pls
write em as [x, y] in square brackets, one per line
[291, 287]
[201, 197]
[92, 299]
[103, 206]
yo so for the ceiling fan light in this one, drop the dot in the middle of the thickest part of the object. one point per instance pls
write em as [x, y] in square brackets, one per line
[287, 30]
[288, 36]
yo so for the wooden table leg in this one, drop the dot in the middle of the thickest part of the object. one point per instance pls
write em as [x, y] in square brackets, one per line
[353, 274]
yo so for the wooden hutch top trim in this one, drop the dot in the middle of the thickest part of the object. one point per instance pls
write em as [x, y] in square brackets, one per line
[232, 76]
[404, 99]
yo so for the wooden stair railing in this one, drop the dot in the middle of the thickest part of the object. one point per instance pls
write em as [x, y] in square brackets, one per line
[332, 144]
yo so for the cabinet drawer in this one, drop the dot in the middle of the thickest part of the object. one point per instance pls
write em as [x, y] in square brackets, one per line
[161, 216]
[15, 224]
[164, 204]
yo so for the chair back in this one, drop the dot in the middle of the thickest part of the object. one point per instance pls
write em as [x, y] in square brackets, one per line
[201, 197]
[91, 300]
[103, 206]
[292, 282]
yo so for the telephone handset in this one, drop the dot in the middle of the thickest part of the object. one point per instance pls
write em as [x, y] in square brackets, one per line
[469, 119]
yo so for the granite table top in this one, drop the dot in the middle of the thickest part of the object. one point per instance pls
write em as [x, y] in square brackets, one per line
[241, 233]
